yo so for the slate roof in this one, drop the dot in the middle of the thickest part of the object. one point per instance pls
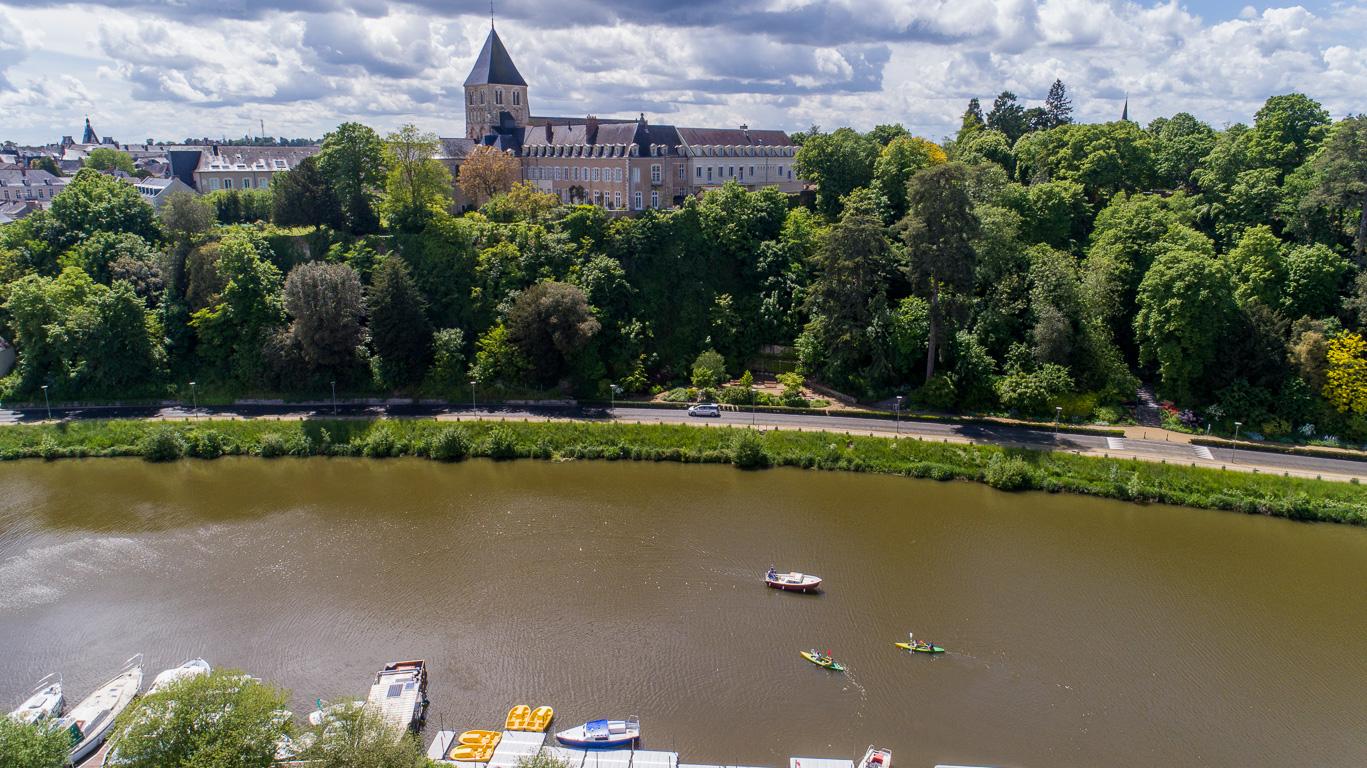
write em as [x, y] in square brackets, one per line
[734, 137]
[494, 65]
[456, 149]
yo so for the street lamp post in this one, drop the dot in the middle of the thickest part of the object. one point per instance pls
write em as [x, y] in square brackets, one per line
[898, 409]
[194, 398]
[612, 396]
[1234, 450]
[474, 404]
[48, 402]
[334, 398]
[1058, 411]
[752, 405]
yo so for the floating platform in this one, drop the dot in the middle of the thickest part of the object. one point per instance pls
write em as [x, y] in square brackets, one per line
[516, 745]
[818, 762]
[399, 694]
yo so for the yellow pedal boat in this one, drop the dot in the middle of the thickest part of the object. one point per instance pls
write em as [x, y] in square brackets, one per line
[470, 753]
[518, 718]
[480, 738]
[540, 719]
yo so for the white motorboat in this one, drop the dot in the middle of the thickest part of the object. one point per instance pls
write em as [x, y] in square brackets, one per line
[876, 758]
[186, 670]
[90, 721]
[326, 712]
[45, 702]
[793, 582]
[602, 734]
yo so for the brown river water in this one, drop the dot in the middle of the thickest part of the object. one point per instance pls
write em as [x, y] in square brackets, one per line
[1081, 632]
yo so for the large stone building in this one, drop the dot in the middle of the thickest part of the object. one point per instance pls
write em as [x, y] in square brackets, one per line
[618, 164]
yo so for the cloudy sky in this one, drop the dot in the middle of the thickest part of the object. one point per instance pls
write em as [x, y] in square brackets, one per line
[170, 69]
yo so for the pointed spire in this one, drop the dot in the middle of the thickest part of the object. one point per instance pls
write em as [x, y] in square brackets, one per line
[494, 65]
[1125, 113]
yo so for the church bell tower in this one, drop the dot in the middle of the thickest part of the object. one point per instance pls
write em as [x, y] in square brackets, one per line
[493, 88]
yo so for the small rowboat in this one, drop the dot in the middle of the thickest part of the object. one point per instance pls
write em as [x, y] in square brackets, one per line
[822, 660]
[876, 758]
[602, 734]
[920, 647]
[793, 582]
[45, 702]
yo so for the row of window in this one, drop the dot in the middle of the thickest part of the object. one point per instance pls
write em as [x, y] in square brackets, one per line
[498, 97]
[263, 183]
[733, 171]
[29, 193]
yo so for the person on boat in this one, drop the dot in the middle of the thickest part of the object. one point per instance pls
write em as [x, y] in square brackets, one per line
[772, 574]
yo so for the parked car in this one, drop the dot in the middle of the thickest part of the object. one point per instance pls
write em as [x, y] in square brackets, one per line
[705, 409]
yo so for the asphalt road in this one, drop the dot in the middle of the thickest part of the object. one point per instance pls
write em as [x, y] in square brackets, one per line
[997, 435]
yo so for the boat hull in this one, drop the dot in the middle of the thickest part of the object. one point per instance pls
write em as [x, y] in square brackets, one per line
[602, 734]
[920, 648]
[615, 743]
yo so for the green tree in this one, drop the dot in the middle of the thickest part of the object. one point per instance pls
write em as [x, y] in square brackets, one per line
[46, 163]
[353, 157]
[1182, 141]
[550, 323]
[709, 370]
[93, 202]
[304, 197]
[848, 292]
[1314, 275]
[358, 737]
[1286, 131]
[448, 359]
[1258, 267]
[327, 304]
[497, 359]
[1341, 182]
[939, 232]
[399, 329]
[1105, 158]
[220, 720]
[1058, 108]
[106, 159]
[234, 330]
[32, 745]
[837, 163]
[95, 254]
[971, 123]
[84, 337]
[1185, 301]
[418, 187]
[901, 158]
[1007, 116]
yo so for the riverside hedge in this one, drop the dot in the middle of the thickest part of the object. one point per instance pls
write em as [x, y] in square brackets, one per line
[1009, 469]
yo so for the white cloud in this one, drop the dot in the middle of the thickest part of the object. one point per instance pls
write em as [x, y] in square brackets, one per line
[202, 67]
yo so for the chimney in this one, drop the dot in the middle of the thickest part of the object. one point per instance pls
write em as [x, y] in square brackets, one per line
[590, 128]
[549, 133]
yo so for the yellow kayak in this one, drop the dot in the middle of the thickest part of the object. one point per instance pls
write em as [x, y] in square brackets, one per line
[471, 754]
[480, 738]
[540, 719]
[518, 717]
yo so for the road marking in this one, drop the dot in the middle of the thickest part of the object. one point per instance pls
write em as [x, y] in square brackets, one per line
[1203, 452]
[1116, 443]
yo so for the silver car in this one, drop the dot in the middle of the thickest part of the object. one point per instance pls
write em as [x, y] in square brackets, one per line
[705, 409]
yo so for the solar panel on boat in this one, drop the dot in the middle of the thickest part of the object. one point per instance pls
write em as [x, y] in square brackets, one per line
[394, 692]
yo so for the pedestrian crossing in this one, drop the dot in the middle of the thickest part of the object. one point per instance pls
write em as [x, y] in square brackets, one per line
[1115, 443]
[1203, 452]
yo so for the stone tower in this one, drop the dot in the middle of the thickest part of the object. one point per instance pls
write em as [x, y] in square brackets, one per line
[493, 88]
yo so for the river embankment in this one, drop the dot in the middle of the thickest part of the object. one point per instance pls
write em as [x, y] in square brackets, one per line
[1007, 469]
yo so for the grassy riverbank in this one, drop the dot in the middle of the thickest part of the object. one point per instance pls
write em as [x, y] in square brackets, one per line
[1006, 469]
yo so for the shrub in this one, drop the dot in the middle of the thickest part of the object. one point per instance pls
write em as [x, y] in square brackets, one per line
[937, 393]
[380, 443]
[449, 444]
[1008, 473]
[679, 395]
[747, 450]
[734, 396]
[271, 445]
[162, 444]
[501, 443]
[49, 449]
[708, 394]
[709, 369]
[208, 444]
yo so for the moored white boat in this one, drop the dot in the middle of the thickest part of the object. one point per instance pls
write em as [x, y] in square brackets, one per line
[45, 702]
[90, 721]
[185, 670]
[793, 581]
[602, 734]
[876, 758]
[399, 694]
